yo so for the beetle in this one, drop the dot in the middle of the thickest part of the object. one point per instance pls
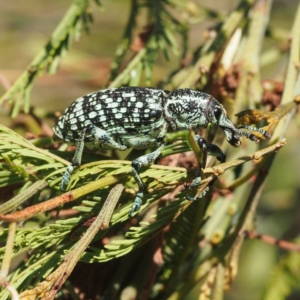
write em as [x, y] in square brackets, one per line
[136, 117]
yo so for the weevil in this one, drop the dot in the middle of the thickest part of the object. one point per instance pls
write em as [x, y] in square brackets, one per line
[135, 117]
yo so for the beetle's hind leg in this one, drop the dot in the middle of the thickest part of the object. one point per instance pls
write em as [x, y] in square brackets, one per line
[206, 149]
[101, 138]
[76, 161]
[141, 161]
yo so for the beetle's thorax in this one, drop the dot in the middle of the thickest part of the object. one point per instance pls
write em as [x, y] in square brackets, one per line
[187, 108]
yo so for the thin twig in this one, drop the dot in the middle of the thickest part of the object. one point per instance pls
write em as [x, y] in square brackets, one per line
[7, 261]
[286, 245]
[22, 197]
[8, 249]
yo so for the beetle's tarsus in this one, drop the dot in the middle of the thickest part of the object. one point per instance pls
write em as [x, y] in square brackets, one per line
[66, 178]
[201, 195]
[137, 203]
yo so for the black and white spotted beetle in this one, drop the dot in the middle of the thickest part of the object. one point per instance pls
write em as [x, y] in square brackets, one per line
[134, 117]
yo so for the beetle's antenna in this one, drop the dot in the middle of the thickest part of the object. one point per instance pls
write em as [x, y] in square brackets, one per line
[248, 135]
[251, 136]
[265, 133]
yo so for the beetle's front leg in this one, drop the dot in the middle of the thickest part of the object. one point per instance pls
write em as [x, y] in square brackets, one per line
[206, 149]
[142, 161]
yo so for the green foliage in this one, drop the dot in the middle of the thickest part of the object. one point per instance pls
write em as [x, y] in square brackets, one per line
[159, 35]
[45, 235]
[19, 155]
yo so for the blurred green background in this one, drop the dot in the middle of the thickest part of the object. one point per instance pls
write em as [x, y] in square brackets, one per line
[25, 27]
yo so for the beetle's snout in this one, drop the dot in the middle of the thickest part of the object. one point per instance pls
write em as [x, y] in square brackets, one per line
[233, 137]
[232, 133]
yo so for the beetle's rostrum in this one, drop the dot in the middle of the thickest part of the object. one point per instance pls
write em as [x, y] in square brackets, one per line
[135, 117]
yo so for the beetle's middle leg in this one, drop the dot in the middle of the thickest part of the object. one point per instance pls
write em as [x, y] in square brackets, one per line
[207, 149]
[142, 161]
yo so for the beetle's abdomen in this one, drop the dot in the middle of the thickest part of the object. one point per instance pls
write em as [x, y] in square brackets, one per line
[120, 111]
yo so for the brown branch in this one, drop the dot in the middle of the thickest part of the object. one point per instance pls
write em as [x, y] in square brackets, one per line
[60, 200]
[272, 241]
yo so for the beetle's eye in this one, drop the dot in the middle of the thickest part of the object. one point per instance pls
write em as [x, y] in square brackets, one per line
[218, 112]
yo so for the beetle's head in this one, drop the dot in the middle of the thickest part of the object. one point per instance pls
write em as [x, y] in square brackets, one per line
[217, 115]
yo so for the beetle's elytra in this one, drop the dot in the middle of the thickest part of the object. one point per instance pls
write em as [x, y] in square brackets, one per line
[134, 117]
